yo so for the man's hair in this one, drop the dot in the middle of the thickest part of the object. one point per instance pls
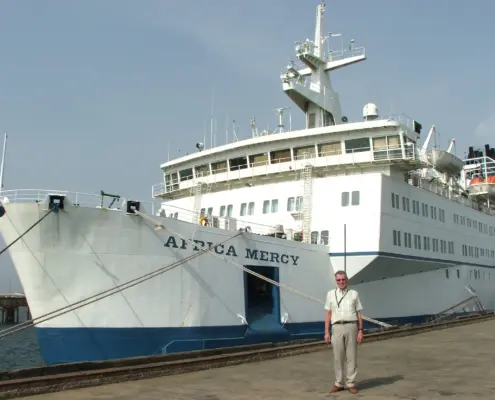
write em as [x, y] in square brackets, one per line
[340, 272]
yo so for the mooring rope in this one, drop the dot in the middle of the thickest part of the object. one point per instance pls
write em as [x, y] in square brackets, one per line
[109, 292]
[243, 268]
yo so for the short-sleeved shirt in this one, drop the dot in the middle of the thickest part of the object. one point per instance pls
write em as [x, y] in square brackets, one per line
[343, 304]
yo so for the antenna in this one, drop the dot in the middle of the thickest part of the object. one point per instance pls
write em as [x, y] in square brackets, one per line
[280, 113]
[3, 160]
[234, 135]
[211, 116]
[254, 129]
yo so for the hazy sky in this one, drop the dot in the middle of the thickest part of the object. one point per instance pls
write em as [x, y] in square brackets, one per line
[92, 91]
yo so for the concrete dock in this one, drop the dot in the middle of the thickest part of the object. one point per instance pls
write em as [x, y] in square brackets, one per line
[450, 363]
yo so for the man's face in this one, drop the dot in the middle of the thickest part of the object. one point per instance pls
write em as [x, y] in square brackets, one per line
[341, 281]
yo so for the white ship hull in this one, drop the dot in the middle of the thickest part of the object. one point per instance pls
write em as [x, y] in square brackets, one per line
[203, 303]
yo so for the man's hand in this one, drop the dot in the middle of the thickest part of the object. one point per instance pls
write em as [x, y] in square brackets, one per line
[327, 338]
[360, 337]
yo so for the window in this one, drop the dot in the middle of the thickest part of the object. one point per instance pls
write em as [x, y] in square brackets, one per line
[355, 198]
[274, 206]
[210, 212]
[357, 145]
[443, 246]
[405, 203]
[294, 203]
[202, 212]
[433, 212]
[291, 204]
[266, 206]
[451, 247]
[222, 211]
[464, 250]
[447, 273]
[314, 237]
[441, 215]
[426, 243]
[251, 208]
[329, 149]
[435, 245]
[417, 242]
[395, 201]
[407, 240]
[324, 237]
[344, 199]
[415, 207]
[396, 237]
[243, 209]
[230, 208]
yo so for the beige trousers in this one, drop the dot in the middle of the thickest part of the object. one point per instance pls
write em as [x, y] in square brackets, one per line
[344, 345]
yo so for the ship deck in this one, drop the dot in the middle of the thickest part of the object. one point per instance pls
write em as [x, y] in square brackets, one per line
[431, 365]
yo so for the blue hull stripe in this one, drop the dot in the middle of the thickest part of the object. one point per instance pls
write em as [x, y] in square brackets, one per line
[62, 345]
[408, 257]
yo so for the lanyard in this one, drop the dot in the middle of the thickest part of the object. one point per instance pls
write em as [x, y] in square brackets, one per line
[342, 298]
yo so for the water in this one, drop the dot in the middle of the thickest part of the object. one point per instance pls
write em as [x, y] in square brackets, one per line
[19, 350]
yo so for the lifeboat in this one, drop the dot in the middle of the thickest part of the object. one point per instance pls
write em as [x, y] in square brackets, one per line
[482, 185]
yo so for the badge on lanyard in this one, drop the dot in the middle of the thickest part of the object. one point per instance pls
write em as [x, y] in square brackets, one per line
[342, 298]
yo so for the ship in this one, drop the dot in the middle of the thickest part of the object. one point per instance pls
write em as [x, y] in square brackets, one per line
[240, 242]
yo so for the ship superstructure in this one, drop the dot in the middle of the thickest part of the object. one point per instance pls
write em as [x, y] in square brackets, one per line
[384, 201]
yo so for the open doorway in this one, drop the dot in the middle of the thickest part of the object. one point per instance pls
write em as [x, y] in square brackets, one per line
[262, 299]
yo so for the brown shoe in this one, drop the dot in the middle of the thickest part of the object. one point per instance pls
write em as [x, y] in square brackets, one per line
[335, 389]
[353, 390]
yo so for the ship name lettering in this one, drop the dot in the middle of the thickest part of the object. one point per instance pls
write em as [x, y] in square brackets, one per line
[229, 250]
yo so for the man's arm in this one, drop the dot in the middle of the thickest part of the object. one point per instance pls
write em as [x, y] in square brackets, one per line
[359, 314]
[328, 313]
[328, 318]
[360, 320]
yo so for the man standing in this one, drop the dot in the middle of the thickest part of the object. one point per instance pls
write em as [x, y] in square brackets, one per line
[343, 311]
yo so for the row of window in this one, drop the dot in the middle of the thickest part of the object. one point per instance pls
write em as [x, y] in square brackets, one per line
[438, 245]
[471, 223]
[269, 206]
[473, 274]
[477, 252]
[382, 147]
[322, 236]
[406, 206]
[427, 243]
[354, 197]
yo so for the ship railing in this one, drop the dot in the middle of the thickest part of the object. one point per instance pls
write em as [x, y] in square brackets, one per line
[391, 154]
[90, 200]
[342, 54]
[433, 186]
[480, 167]
[228, 222]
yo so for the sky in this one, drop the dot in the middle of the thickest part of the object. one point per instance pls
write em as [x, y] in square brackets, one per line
[96, 94]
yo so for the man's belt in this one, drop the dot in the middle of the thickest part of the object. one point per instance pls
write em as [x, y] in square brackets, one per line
[343, 322]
